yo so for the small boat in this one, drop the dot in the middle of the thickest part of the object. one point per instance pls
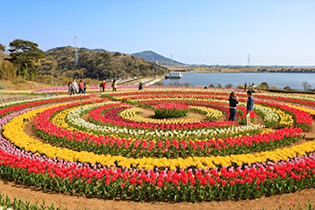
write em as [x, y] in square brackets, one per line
[174, 75]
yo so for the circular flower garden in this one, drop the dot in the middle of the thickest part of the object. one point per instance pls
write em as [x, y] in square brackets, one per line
[146, 146]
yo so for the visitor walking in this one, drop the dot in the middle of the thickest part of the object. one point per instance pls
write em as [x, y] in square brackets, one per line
[103, 86]
[114, 85]
[233, 102]
[249, 107]
[245, 86]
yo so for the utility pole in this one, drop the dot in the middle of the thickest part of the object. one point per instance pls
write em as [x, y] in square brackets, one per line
[76, 52]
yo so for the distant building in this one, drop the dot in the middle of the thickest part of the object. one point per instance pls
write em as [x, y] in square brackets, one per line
[174, 75]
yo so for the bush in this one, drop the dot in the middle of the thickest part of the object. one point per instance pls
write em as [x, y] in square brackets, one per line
[240, 86]
[274, 87]
[186, 84]
[7, 70]
[159, 83]
[263, 86]
[177, 84]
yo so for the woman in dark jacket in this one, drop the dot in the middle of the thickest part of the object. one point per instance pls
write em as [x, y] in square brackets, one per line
[233, 102]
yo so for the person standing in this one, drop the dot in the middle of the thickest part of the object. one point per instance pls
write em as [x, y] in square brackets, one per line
[103, 86]
[252, 87]
[233, 102]
[114, 85]
[81, 87]
[72, 92]
[70, 88]
[249, 107]
[245, 86]
[85, 86]
[76, 87]
[140, 86]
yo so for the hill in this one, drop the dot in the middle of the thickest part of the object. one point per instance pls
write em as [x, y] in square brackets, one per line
[151, 56]
[96, 64]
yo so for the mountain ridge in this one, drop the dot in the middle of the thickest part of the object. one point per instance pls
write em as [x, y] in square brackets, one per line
[96, 63]
[151, 56]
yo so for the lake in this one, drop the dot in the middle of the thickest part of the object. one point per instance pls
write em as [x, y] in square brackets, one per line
[294, 80]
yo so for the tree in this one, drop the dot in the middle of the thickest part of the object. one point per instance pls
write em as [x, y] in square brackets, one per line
[2, 47]
[306, 86]
[26, 56]
[2, 51]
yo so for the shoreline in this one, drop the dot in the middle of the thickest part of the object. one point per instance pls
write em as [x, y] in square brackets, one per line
[251, 72]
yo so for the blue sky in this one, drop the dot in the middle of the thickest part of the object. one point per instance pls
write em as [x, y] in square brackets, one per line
[224, 32]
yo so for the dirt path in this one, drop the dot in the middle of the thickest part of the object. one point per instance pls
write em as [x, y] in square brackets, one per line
[301, 198]
[311, 134]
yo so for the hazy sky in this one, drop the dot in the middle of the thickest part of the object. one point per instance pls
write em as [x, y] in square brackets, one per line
[274, 32]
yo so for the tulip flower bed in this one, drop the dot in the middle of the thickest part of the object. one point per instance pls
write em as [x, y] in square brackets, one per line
[169, 110]
[105, 148]
[103, 116]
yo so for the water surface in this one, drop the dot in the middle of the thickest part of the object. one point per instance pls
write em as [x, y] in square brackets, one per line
[294, 80]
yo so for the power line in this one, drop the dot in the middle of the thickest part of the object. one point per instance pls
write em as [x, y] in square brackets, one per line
[250, 60]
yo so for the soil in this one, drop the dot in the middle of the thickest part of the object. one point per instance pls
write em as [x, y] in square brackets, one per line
[20, 84]
[258, 120]
[5, 98]
[34, 195]
[147, 113]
